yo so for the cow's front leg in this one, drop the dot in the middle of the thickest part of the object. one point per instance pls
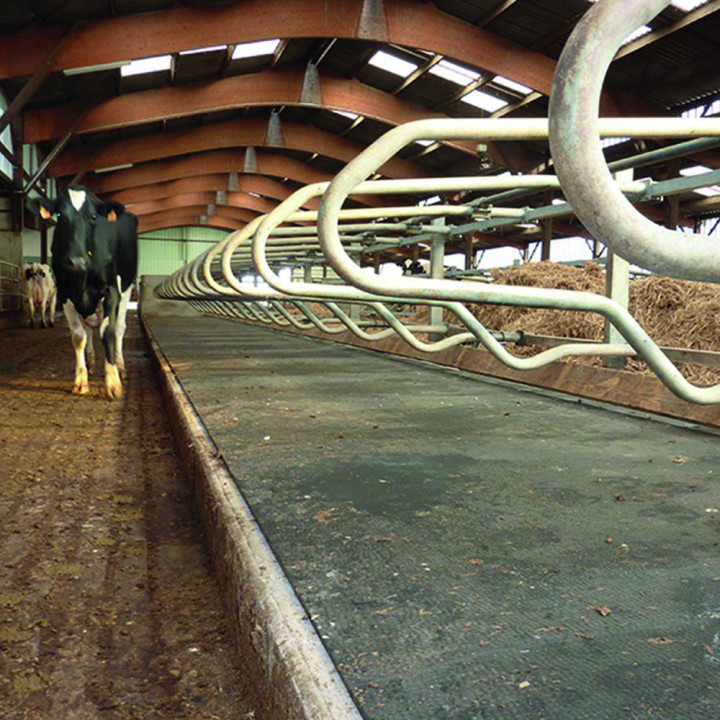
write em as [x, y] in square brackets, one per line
[79, 339]
[43, 312]
[108, 332]
[89, 347]
[51, 308]
[120, 330]
[31, 310]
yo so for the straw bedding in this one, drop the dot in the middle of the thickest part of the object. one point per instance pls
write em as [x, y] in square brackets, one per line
[675, 313]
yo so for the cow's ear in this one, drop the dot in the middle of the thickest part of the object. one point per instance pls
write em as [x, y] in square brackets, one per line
[45, 211]
[112, 210]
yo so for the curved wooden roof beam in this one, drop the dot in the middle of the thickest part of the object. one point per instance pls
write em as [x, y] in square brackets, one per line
[227, 135]
[181, 219]
[397, 21]
[235, 200]
[268, 88]
[227, 215]
[269, 164]
[212, 184]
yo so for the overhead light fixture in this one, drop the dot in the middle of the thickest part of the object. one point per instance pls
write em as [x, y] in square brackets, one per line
[114, 167]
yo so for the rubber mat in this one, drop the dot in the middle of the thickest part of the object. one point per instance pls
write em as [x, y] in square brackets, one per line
[466, 548]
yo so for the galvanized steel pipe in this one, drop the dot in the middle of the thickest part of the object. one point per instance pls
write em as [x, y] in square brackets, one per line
[581, 166]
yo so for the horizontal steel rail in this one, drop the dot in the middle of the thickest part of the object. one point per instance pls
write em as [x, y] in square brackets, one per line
[211, 281]
[367, 162]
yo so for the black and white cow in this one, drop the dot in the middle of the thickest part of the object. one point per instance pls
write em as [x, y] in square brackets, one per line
[40, 293]
[94, 258]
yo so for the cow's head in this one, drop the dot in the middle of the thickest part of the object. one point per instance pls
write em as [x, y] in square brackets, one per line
[34, 270]
[78, 213]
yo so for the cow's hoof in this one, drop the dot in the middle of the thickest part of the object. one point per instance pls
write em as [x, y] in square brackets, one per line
[113, 386]
[81, 388]
[51, 324]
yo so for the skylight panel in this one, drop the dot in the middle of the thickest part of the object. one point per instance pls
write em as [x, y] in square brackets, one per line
[694, 170]
[642, 30]
[454, 73]
[482, 100]
[710, 191]
[610, 141]
[392, 64]
[196, 51]
[346, 114]
[95, 68]
[147, 65]
[687, 5]
[512, 85]
[255, 49]
[702, 110]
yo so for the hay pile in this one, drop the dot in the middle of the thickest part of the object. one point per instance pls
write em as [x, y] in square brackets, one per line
[675, 313]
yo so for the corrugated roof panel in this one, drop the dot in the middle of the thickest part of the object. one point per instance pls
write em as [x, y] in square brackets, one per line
[530, 22]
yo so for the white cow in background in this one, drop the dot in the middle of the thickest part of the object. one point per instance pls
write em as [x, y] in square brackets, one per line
[41, 293]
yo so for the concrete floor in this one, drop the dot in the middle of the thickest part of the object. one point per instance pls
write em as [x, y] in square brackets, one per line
[470, 549]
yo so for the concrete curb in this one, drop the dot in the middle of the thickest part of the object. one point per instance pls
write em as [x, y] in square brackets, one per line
[291, 673]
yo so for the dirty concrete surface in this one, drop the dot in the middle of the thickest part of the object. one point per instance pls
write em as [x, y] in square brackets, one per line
[108, 607]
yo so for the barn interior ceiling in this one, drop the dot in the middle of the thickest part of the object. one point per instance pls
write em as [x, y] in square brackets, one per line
[210, 112]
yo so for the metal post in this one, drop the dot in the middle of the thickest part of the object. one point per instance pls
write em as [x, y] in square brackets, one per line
[437, 271]
[547, 232]
[469, 252]
[18, 204]
[617, 288]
